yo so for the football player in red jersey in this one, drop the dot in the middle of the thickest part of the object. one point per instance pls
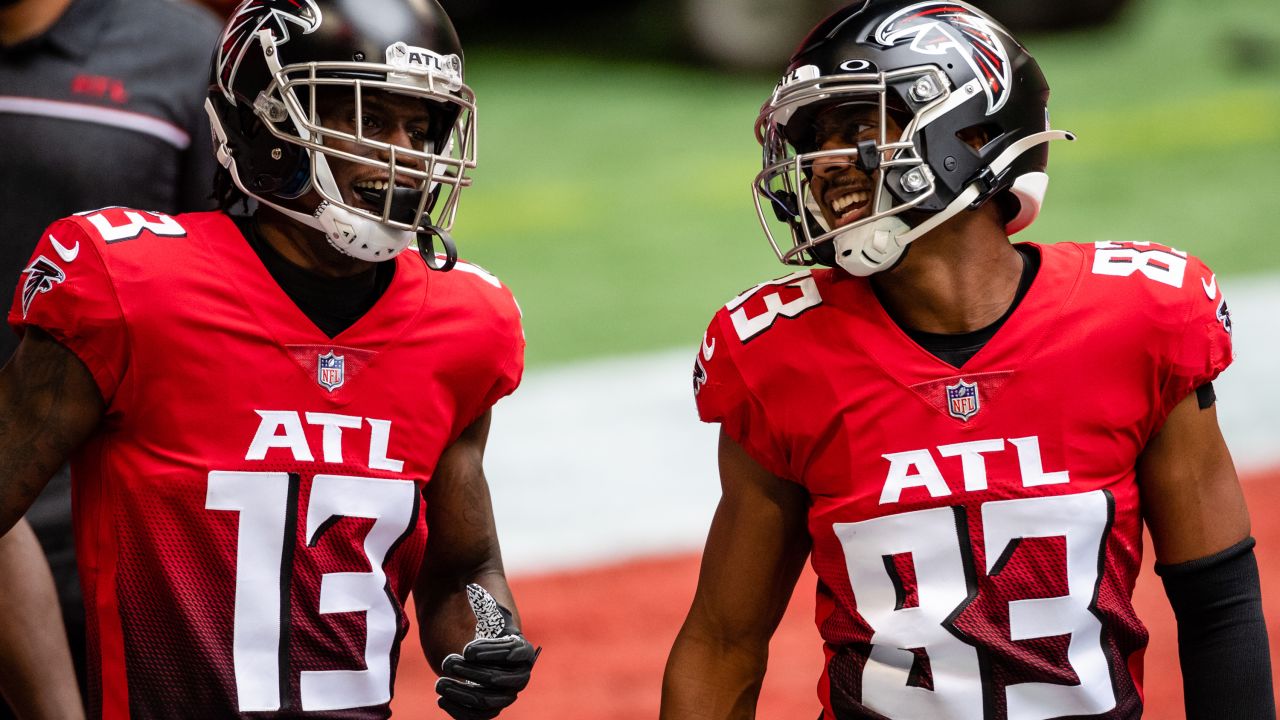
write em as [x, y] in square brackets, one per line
[963, 434]
[277, 423]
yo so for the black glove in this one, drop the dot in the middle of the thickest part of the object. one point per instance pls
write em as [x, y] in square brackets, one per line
[492, 669]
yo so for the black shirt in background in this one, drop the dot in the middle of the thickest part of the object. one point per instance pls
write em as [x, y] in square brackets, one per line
[105, 108]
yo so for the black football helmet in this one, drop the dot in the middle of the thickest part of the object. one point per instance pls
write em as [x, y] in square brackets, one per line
[938, 68]
[276, 57]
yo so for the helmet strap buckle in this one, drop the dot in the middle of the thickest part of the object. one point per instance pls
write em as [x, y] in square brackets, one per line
[988, 184]
[426, 248]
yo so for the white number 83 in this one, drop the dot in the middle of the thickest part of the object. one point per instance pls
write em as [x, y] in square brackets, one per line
[937, 541]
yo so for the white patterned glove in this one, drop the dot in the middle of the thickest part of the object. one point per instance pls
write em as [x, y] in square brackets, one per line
[492, 669]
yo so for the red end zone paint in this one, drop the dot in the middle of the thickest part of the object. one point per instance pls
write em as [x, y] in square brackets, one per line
[606, 633]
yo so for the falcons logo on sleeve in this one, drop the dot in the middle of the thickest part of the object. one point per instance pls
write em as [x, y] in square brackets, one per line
[252, 16]
[42, 274]
[936, 27]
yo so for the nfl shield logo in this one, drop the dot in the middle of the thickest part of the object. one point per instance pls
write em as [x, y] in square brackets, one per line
[330, 373]
[962, 400]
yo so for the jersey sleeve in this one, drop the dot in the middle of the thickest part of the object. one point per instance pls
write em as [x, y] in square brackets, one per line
[511, 363]
[497, 317]
[66, 291]
[723, 396]
[1202, 350]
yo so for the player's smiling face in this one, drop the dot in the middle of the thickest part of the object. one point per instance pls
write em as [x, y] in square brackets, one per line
[841, 189]
[383, 117]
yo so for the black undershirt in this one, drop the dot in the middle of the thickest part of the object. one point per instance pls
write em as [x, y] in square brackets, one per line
[957, 349]
[332, 303]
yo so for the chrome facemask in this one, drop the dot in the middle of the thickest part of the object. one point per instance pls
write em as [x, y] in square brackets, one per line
[900, 178]
[418, 192]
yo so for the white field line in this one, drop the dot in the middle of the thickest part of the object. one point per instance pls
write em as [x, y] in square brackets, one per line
[600, 461]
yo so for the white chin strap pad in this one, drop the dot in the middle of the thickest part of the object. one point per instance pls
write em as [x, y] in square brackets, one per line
[866, 249]
[360, 237]
[870, 248]
[349, 232]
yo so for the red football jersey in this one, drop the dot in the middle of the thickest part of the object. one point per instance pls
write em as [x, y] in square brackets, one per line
[250, 516]
[976, 531]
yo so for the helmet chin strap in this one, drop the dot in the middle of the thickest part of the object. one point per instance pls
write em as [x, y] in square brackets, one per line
[867, 249]
[404, 208]
[426, 248]
[349, 233]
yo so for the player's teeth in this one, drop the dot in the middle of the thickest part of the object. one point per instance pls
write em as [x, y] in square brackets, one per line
[854, 198]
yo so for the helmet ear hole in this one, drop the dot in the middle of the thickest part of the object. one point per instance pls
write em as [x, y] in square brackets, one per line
[266, 164]
[978, 136]
[296, 177]
[278, 167]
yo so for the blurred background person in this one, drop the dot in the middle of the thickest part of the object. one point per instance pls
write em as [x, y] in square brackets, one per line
[101, 103]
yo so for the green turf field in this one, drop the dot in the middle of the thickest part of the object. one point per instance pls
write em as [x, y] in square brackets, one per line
[614, 198]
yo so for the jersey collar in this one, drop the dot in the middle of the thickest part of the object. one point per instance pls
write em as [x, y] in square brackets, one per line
[1019, 337]
[393, 313]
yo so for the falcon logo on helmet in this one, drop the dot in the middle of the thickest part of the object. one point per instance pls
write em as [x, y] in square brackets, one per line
[252, 16]
[936, 27]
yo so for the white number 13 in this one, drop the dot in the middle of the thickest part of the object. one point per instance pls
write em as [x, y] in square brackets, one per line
[263, 501]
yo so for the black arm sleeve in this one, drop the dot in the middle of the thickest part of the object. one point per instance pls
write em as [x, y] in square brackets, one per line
[1222, 635]
[1205, 396]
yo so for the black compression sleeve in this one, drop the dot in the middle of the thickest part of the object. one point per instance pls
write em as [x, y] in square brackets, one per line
[1222, 635]
[1205, 396]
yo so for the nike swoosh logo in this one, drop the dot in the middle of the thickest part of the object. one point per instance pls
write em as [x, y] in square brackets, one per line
[1211, 287]
[68, 254]
[708, 350]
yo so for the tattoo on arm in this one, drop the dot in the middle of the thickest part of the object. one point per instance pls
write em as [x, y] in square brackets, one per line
[49, 405]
